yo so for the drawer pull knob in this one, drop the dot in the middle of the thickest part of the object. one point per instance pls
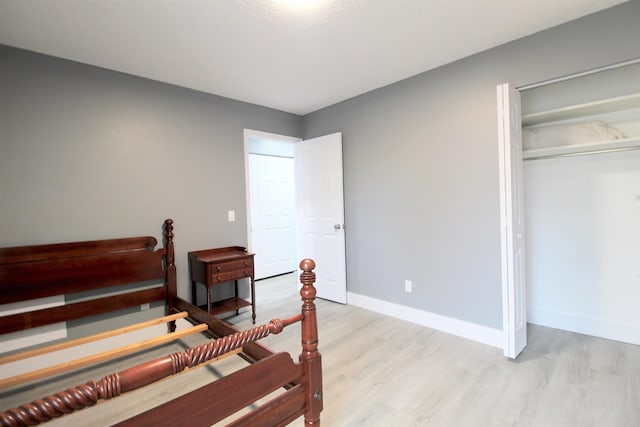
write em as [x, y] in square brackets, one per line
[218, 268]
[246, 264]
[246, 272]
[219, 278]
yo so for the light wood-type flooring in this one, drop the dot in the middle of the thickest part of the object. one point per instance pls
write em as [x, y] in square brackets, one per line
[381, 371]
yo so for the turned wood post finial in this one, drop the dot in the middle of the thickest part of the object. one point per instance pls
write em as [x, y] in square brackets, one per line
[168, 235]
[307, 278]
[307, 264]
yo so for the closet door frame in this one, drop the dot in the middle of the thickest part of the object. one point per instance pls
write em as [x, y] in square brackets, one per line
[509, 117]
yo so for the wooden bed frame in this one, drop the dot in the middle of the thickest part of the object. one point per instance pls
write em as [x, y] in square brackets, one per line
[31, 272]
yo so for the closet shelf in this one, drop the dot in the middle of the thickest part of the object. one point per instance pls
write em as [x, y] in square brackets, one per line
[582, 149]
[579, 110]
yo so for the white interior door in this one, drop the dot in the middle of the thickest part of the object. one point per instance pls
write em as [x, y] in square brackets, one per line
[512, 221]
[320, 213]
[273, 214]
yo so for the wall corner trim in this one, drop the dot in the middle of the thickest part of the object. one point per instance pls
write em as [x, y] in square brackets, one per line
[471, 331]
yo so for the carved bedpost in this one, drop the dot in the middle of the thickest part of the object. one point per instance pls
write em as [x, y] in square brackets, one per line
[310, 357]
[171, 280]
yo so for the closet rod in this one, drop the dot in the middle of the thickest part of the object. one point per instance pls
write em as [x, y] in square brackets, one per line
[580, 74]
[580, 153]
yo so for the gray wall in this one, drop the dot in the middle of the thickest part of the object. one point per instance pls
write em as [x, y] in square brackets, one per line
[421, 167]
[87, 153]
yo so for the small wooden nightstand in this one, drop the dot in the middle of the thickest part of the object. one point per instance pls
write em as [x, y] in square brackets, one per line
[211, 267]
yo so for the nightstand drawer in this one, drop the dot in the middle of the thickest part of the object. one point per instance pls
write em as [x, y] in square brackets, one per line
[231, 275]
[227, 267]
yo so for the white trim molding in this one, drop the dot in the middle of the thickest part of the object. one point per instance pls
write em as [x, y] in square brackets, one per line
[607, 329]
[471, 331]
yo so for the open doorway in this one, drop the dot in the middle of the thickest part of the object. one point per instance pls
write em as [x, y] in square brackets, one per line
[318, 204]
[271, 209]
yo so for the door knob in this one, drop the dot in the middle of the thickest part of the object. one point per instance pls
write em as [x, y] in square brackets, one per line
[339, 226]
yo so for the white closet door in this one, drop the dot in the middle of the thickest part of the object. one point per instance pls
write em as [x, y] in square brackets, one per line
[512, 221]
[273, 214]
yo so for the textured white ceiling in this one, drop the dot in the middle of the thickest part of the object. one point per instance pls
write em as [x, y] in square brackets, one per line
[292, 55]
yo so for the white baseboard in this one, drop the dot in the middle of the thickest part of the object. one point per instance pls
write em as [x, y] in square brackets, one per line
[471, 331]
[583, 325]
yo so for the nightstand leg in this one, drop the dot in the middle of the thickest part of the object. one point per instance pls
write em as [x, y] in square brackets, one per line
[235, 284]
[194, 293]
[253, 300]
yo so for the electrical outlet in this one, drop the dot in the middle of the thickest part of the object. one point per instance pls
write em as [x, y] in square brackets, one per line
[144, 307]
[408, 285]
[231, 216]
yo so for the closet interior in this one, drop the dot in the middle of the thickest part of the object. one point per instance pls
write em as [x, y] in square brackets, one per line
[581, 146]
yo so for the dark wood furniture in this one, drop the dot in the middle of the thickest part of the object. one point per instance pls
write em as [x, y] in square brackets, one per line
[211, 267]
[45, 270]
[29, 272]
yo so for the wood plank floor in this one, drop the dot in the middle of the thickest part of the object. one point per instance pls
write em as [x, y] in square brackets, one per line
[380, 371]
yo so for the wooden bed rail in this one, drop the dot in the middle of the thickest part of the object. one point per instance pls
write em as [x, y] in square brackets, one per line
[93, 359]
[91, 338]
[90, 393]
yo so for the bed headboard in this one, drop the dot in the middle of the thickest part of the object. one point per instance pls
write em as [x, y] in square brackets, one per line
[30, 272]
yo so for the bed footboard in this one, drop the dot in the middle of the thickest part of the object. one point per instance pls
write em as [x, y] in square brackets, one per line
[221, 398]
[217, 400]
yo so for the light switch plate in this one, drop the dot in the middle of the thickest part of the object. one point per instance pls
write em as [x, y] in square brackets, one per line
[408, 285]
